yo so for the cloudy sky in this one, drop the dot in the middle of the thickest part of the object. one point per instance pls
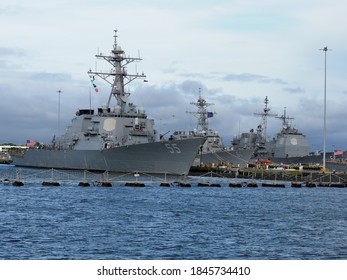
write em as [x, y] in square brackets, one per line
[237, 51]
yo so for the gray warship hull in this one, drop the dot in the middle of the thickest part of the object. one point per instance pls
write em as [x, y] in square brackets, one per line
[164, 157]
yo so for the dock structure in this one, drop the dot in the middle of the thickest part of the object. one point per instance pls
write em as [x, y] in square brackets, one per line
[291, 175]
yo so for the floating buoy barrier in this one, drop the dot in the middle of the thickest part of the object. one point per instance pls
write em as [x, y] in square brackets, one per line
[50, 183]
[183, 184]
[134, 184]
[235, 185]
[17, 183]
[252, 185]
[84, 184]
[273, 185]
[88, 179]
[296, 185]
[208, 184]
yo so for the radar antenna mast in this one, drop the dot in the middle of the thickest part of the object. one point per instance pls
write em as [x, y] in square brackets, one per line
[118, 77]
[202, 114]
[285, 119]
[264, 116]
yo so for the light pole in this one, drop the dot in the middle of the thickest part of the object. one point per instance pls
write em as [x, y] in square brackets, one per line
[59, 92]
[325, 49]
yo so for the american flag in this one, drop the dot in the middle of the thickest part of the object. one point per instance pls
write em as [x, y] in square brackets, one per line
[30, 143]
[338, 153]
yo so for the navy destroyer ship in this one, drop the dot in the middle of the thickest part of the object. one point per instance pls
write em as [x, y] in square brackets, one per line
[117, 138]
[213, 151]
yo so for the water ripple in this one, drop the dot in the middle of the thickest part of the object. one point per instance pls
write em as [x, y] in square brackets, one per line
[172, 223]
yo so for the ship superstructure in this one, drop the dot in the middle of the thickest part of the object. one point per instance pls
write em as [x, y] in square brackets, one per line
[213, 142]
[288, 143]
[256, 140]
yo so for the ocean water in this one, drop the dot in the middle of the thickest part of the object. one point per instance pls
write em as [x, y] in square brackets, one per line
[153, 222]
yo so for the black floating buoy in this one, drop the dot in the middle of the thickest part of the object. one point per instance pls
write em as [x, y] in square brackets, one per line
[183, 184]
[106, 184]
[310, 185]
[50, 183]
[134, 184]
[208, 184]
[165, 184]
[17, 183]
[337, 185]
[296, 185]
[83, 184]
[235, 185]
[252, 185]
[273, 185]
[6, 181]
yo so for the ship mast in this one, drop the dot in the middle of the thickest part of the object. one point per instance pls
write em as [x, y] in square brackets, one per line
[118, 77]
[264, 116]
[202, 114]
[285, 119]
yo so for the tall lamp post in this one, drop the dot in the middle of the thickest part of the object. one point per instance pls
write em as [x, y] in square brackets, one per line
[59, 92]
[325, 49]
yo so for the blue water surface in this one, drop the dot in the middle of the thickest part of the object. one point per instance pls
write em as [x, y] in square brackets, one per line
[72, 222]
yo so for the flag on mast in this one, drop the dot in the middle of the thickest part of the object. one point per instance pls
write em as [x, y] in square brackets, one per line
[92, 79]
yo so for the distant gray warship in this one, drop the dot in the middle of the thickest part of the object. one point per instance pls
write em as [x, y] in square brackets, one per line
[118, 139]
[289, 145]
[213, 150]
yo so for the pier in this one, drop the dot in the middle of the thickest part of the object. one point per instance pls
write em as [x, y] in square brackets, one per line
[312, 174]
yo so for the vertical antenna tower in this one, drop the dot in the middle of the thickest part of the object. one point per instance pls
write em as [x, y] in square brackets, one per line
[202, 114]
[264, 115]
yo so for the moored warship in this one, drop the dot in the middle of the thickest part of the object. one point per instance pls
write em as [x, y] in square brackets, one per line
[213, 151]
[288, 146]
[117, 139]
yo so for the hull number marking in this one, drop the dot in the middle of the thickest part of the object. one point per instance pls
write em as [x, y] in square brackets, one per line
[173, 148]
